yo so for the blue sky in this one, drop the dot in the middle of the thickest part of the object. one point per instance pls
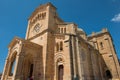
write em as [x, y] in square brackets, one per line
[90, 15]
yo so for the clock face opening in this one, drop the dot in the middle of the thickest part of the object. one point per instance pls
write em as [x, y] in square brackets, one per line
[37, 28]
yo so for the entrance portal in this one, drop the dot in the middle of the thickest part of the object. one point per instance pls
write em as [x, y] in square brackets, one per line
[108, 74]
[60, 72]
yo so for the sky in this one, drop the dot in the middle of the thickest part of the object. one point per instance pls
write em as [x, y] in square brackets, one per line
[90, 15]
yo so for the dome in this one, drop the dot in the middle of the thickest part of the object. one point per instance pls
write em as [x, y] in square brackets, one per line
[81, 33]
[80, 30]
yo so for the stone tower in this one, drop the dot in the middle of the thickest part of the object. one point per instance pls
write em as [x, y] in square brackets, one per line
[34, 56]
[41, 29]
[104, 43]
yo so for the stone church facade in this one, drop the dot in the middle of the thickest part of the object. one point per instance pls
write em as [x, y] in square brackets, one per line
[57, 50]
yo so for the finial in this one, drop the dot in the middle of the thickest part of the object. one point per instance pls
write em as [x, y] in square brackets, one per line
[93, 33]
[104, 30]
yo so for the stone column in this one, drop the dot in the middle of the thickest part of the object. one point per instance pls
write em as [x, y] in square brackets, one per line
[74, 58]
[18, 68]
[6, 68]
[96, 45]
[4, 74]
[78, 59]
[91, 75]
[92, 63]
[55, 68]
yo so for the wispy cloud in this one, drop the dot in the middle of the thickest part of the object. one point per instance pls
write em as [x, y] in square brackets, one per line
[116, 18]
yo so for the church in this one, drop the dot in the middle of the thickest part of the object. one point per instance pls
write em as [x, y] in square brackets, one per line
[58, 50]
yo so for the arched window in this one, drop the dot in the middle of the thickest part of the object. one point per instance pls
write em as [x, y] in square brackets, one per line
[61, 30]
[61, 46]
[101, 45]
[38, 16]
[12, 64]
[64, 30]
[12, 68]
[108, 74]
[58, 30]
[57, 47]
[60, 72]
[31, 71]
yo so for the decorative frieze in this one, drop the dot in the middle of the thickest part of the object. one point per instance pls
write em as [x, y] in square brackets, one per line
[39, 16]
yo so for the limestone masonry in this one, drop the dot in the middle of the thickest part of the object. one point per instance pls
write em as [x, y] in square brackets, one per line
[57, 50]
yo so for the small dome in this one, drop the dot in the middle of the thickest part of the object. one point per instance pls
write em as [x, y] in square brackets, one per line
[81, 33]
[80, 30]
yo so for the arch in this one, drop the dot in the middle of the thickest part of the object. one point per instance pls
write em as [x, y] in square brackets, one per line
[28, 66]
[38, 16]
[12, 63]
[59, 58]
[44, 15]
[108, 74]
[64, 30]
[58, 30]
[101, 45]
[59, 67]
[61, 30]
[13, 52]
[61, 46]
[59, 61]
[31, 70]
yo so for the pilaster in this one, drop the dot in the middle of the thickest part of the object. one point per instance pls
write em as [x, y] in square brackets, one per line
[78, 59]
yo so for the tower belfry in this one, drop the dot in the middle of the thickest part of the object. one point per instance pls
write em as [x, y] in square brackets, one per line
[58, 50]
[104, 43]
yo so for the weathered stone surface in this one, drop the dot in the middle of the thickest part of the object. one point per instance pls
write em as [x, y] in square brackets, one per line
[56, 50]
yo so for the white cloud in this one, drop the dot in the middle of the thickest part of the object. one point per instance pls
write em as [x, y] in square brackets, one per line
[116, 18]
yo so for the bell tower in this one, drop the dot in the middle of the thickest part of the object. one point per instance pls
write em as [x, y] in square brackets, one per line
[103, 42]
[41, 28]
[42, 19]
